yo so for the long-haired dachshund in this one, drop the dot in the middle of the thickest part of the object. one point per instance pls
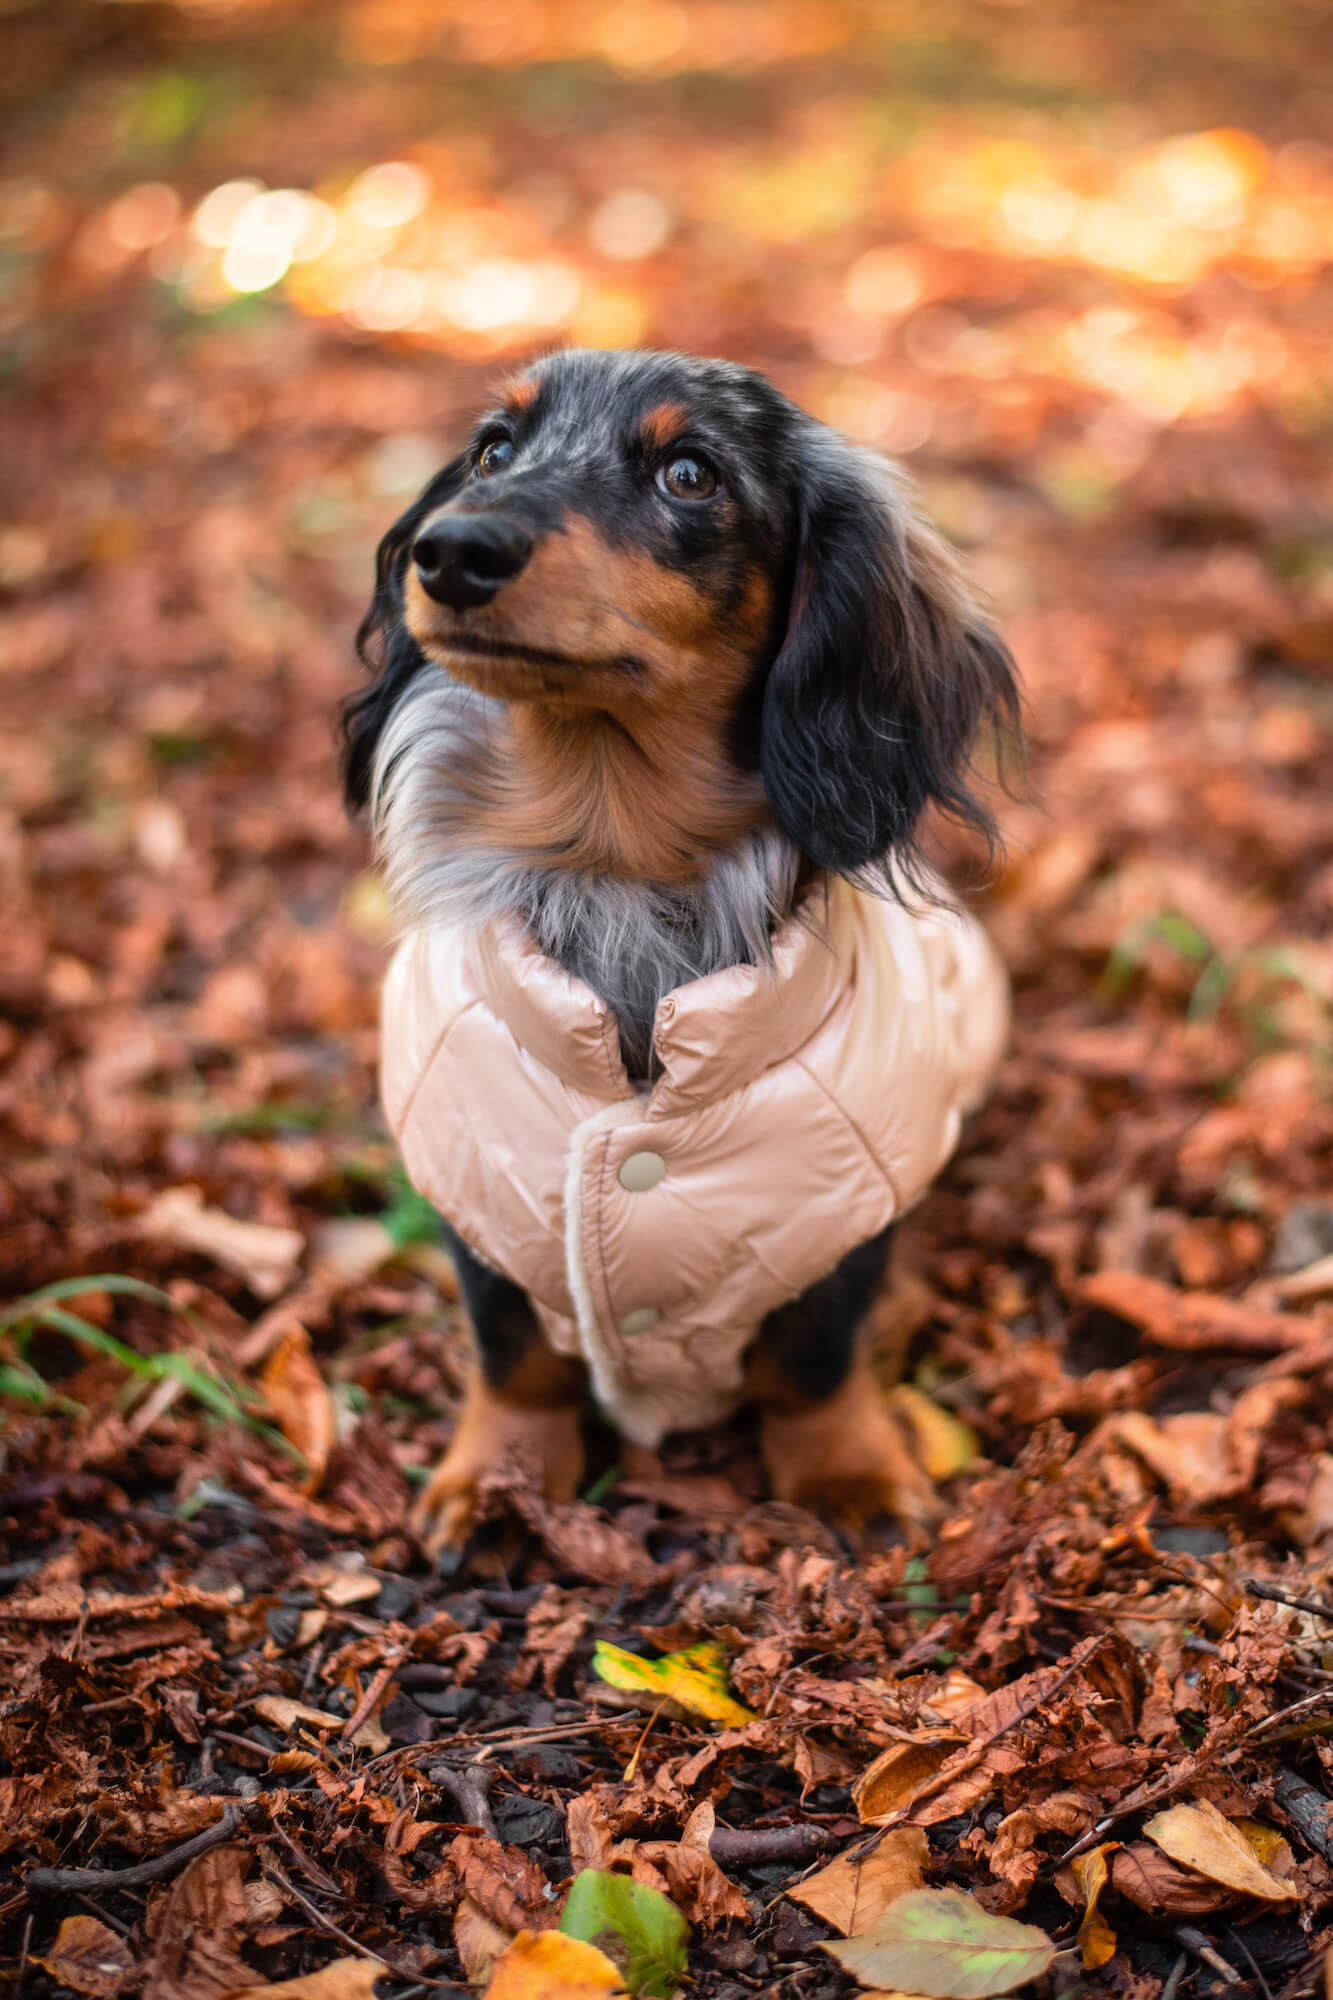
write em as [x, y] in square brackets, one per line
[666, 674]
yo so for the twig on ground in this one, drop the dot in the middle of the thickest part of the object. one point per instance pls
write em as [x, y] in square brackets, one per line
[1251, 1961]
[104, 1916]
[278, 1875]
[468, 1789]
[1271, 1592]
[1306, 1807]
[1196, 1942]
[1174, 1977]
[310, 1869]
[752, 1846]
[53, 1881]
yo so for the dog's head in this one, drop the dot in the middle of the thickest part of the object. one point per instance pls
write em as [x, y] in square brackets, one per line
[669, 550]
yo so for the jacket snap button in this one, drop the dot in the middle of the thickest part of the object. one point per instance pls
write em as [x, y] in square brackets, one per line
[641, 1171]
[642, 1321]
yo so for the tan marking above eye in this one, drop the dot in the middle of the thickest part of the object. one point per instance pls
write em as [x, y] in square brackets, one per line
[661, 425]
[520, 393]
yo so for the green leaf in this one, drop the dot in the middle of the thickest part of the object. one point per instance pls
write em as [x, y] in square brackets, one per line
[941, 1943]
[638, 1927]
[695, 1680]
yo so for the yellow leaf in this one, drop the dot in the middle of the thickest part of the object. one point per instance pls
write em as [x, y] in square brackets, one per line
[854, 1891]
[1095, 1936]
[1199, 1837]
[946, 1445]
[547, 1965]
[694, 1681]
[1269, 1845]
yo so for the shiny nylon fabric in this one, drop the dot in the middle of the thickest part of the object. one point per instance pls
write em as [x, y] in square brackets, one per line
[800, 1109]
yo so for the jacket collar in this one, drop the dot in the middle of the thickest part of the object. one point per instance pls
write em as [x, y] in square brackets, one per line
[712, 1035]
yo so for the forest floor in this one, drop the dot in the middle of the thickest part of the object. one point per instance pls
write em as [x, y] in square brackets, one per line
[1075, 267]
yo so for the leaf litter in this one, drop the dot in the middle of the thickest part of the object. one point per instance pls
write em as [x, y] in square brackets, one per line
[250, 1741]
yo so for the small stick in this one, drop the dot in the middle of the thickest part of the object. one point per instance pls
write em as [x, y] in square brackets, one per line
[1251, 1961]
[1174, 1977]
[1276, 1596]
[279, 1876]
[468, 1789]
[310, 1869]
[23, 1957]
[52, 1881]
[752, 1846]
[1306, 1807]
[104, 1916]
[1196, 1942]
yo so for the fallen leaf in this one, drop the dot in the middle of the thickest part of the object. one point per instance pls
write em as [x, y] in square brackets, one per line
[642, 1929]
[89, 1957]
[265, 1255]
[854, 1891]
[1145, 1876]
[299, 1398]
[286, 1714]
[343, 1979]
[892, 1782]
[1095, 1937]
[945, 1445]
[1197, 1836]
[552, 1967]
[941, 1943]
[347, 1249]
[694, 1681]
[478, 1939]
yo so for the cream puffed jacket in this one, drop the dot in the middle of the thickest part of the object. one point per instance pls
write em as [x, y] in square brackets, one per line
[800, 1108]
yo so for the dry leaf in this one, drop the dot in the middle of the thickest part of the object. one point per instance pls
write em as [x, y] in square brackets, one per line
[299, 1398]
[1197, 1836]
[552, 1967]
[1095, 1937]
[945, 1445]
[263, 1254]
[89, 1957]
[1144, 1875]
[343, 1979]
[478, 1939]
[892, 1782]
[854, 1891]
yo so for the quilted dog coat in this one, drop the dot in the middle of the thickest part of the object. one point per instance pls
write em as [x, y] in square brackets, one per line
[800, 1108]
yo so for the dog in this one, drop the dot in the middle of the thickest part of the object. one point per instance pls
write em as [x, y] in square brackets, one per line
[666, 675]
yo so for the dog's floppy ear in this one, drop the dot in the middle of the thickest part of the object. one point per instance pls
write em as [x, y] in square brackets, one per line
[384, 642]
[885, 676]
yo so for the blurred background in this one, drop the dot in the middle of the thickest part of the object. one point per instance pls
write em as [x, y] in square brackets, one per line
[258, 259]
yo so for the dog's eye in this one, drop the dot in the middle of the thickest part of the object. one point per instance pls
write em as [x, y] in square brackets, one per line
[495, 456]
[688, 478]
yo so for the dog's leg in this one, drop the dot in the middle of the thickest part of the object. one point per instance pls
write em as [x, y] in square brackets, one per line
[827, 1439]
[523, 1402]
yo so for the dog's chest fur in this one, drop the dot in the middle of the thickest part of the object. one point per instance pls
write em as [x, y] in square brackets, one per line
[631, 942]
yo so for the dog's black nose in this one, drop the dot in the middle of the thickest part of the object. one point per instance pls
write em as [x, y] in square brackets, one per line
[463, 559]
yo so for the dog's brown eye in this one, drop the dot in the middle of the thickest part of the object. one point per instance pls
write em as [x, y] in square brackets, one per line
[687, 478]
[495, 456]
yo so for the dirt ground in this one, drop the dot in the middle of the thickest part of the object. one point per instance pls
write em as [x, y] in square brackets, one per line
[1073, 266]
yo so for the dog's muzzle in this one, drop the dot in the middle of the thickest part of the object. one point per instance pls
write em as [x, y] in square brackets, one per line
[464, 559]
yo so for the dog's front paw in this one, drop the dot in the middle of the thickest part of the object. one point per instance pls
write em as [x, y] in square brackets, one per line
[495, 1441]
[846, 1459]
